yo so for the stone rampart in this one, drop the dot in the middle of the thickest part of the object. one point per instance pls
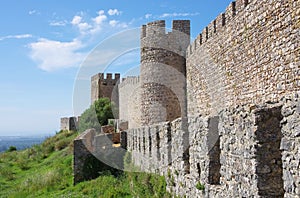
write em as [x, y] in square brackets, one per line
[246, 150]
[248, 55]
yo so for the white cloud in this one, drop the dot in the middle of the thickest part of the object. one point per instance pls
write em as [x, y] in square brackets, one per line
[100, 18]
[82, 26]
[53, 55]
[112, 12]
[58, 23]
[113, 23]
[165, 15]
[147, 16]
[32, 12]
[93, 25]
[76, 20]
[19, 36]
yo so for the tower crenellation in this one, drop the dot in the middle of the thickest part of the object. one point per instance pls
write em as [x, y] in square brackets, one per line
[102, 86]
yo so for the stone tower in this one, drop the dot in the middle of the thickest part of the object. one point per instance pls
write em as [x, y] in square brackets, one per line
[163, 71]
[104, 87]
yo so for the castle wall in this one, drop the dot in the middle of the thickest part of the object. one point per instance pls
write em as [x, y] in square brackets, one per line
[104, 87]
[247, 55]
[94, 154]
[69, 123]
[130, 101]
[163, 71]
[248, 150]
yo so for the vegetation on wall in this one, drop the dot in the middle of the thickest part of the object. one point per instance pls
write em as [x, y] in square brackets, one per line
[96, 115]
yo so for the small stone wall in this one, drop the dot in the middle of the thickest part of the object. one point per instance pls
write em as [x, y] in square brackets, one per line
[94, 154]
[69, 123]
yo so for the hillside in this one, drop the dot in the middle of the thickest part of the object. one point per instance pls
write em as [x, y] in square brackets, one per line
[45, 170]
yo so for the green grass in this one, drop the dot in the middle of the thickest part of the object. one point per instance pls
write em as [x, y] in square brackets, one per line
[46, 171]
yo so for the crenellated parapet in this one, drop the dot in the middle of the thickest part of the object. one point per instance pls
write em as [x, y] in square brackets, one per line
[176, 40]
[104, 86]
[218, 25]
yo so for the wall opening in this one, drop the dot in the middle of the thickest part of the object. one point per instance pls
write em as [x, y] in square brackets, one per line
[199, 170]
[150, 145]
[139, 144]
[233, 8]
[186, 145]
[169, 144]
[133, 141]
[144, 145]
[223, 19]
[200, 40]
[157, 145]
[214, 151]
[268, 154]
[215, 28]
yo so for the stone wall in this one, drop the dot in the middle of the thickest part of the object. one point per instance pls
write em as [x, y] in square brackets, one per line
[163, 64]
[130, 101]
[290, 145]
[248, 54]
[246, 150]
[69, 123]
[95, 153]
[102, 87]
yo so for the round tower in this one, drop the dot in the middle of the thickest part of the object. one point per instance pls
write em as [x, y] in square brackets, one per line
[163, 71]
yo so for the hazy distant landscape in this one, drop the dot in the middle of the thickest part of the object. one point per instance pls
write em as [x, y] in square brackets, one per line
[20, 142]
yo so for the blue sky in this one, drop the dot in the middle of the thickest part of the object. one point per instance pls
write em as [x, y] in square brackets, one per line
[44, 43]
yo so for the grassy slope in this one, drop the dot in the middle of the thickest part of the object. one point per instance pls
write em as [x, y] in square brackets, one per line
[46, 171]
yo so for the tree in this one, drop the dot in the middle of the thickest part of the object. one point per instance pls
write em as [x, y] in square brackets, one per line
[96, 115]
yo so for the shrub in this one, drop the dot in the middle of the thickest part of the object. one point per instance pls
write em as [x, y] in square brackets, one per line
[96, 115]
[11, 149]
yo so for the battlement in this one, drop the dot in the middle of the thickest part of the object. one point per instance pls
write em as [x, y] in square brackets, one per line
[101, 76]
[158, 28]
[103, 86]
[217, 26]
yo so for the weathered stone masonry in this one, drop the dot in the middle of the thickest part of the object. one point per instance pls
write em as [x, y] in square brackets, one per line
[244, 151]
[249, 54]
[130, 105]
